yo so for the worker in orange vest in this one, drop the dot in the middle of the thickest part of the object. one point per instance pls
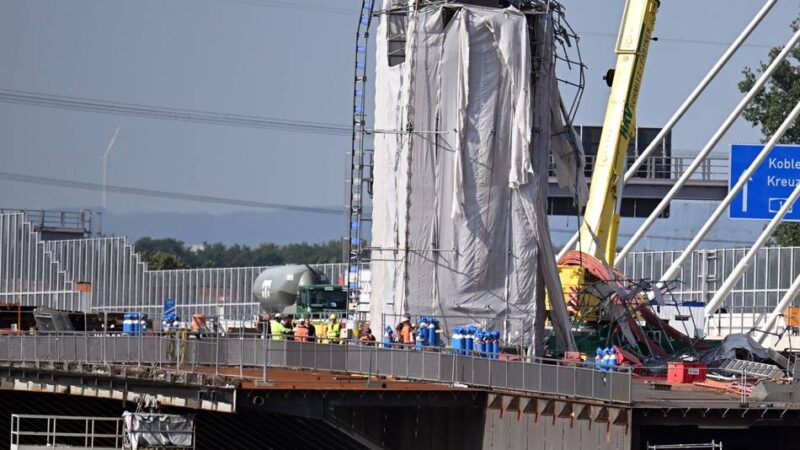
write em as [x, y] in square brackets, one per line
[405, 332]
[301, 331]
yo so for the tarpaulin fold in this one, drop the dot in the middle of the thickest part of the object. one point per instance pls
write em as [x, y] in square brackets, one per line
[459, 209]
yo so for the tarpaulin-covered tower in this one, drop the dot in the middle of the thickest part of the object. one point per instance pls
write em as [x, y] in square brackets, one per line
[467, 118]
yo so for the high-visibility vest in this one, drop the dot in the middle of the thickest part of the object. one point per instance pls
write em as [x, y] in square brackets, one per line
[334, 330]
[300, 333]
[404, 329]
[277, 330]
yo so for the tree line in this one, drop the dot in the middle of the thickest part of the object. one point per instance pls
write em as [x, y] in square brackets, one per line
[169, 253]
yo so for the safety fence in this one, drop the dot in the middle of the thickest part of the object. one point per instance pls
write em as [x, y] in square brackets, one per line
[37, 272]
[757, 292]
[30, 431]
[249, 356]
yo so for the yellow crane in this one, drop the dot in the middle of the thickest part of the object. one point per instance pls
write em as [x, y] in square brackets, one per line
[599, 229]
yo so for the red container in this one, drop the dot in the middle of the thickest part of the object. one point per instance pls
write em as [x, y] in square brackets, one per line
[686, 372]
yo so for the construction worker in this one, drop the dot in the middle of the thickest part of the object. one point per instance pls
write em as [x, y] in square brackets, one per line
[334, 330]
[405, 332]
[301, 331]
[312, 331]
[183, 337]
[170, 333]
[367, 338]
[276, 328]
[364, 329]
[265, 324]
[288, 330]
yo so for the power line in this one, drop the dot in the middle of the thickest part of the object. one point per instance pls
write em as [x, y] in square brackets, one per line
[166, 113]
[165, 194]
[676, 40]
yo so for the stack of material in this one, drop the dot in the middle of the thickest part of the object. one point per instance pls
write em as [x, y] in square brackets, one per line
[751, 369]
[737, 388]
[466, 126]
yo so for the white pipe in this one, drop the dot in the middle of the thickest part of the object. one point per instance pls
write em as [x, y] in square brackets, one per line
[710, 146]
[787, 298]
[737, 272]
[712, 73]
[787, 124]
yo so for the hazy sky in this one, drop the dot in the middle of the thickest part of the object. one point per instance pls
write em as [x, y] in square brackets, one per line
[263, 58]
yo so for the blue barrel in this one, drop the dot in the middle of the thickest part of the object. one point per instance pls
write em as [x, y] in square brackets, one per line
[433, 336]
[480, 338]
[127, 323]
[605, 361]
[422, 336]
[422, 332]
[457, 341]
[388, 337]
[495, 344]
[133, 323]
[469, 339]
[612, 359]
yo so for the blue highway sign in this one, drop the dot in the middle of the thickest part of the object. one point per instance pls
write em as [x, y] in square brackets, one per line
[771, 184]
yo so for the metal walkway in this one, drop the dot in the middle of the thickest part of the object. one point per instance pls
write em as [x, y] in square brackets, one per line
[250, 358]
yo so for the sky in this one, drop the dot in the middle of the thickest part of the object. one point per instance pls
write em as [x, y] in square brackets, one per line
[294, 61]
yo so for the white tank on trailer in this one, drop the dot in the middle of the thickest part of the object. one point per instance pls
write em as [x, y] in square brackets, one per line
[276, 288]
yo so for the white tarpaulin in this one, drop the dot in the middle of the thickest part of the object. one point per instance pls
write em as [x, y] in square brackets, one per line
[150, 430]
[459, 215]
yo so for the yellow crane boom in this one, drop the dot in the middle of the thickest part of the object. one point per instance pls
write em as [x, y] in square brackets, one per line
[598, 233]
[600, 226]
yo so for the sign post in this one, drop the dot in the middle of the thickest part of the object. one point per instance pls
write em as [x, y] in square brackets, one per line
[771, 184]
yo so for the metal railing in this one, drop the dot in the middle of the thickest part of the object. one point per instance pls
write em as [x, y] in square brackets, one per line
[250, 356]
[668, 168]
[53, 219]
[44, 432]
[37, 272]
[757, 292]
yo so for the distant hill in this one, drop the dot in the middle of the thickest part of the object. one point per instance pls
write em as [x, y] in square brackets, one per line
[248, 228]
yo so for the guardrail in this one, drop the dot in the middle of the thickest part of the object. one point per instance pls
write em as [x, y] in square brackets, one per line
[70, 220]
[77, 432]
[247, 353]
[668, 168]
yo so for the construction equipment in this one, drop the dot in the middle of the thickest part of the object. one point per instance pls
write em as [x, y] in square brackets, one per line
[299, 290]
[598, 232]
[587, 275]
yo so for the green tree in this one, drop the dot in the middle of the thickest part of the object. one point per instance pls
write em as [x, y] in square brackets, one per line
[155, 252]
[267, 254]
[770, 108]
[164, 261]
[166, 245]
